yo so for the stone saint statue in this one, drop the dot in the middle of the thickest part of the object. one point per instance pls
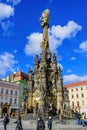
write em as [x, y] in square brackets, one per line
[45, 18]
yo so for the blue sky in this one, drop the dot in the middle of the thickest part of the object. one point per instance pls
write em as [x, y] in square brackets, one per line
[21, 34]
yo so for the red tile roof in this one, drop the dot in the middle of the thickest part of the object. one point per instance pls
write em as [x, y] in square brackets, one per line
[76, 84]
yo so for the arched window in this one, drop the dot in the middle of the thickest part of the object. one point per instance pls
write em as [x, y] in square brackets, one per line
[81, 88]
[72, 104]
[77, 95]
[72, 96]
[72, 90]
[11, 92]
[78, 103]
[76, 89]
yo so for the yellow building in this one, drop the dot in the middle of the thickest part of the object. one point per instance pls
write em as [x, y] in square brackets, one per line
[78, 96]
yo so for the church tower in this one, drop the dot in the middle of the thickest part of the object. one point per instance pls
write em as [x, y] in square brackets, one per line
[45, 83]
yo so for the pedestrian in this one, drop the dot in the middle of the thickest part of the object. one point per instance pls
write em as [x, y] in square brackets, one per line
[5, 121]
[40, 124]
[50, 123]
[83, 119]
[78, 118]
[19, 123]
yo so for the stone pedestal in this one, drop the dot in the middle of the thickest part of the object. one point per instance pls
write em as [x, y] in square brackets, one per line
[34, 113]
[60, 118]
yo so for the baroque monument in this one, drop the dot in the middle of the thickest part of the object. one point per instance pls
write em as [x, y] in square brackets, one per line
[46, 94]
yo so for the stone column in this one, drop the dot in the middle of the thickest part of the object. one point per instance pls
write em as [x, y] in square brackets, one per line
[0, 111]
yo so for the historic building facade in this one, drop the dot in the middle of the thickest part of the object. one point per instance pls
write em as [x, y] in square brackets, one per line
[46, 93]
[20, 78]
[9, 97]
[78, 96]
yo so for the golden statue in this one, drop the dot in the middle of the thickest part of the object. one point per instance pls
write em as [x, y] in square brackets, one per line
[45, 26]
[45, 17]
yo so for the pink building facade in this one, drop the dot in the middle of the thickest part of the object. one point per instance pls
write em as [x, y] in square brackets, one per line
[9, 97]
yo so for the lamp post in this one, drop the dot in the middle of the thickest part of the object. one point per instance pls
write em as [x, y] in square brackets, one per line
[25, 99]
[22, 106]
[0, 108]
[61, 112]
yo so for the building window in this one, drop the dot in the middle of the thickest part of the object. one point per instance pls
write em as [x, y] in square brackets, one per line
[76, 89]
[16, 93]
[2, 90]
[10, 100]
[72, 90]
[66, 95]
[82, 95]
[78, 103]
[15, 101]
[72, 96]
[81, 88]
[77, 95]
[11, 92]
[6, 91]
[1, 99]
[72, 104]
[6, 99]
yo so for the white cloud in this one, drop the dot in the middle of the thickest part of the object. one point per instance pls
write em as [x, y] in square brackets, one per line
[74, 78]
[56, 36]
[70, 30]
[83, 46]
[29, 66]
[69, 71]
[15, 51]
[60, 66]
[14, 2]
[5, 11]
[7, 63]
[73, 58]
[82, 49]
[8, 28]
[33, 45]
[59, 57]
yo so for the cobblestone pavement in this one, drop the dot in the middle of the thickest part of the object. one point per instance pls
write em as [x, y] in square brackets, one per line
[31, 125]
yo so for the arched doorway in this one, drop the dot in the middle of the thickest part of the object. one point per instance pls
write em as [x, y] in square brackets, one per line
[4, 110]
[37, 108]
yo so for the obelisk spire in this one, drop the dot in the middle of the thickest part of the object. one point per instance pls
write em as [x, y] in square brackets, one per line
[45, 25]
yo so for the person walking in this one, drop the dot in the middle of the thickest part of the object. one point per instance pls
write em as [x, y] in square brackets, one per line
[50, 123]
[83, 119]
[5, 121]
[40, 124]
[19, 123]
[78, 115]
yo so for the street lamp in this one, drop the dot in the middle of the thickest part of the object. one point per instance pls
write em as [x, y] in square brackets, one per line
[25, 99]
[0, 108]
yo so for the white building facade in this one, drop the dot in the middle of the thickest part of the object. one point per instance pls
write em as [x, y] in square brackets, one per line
[78, 96]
